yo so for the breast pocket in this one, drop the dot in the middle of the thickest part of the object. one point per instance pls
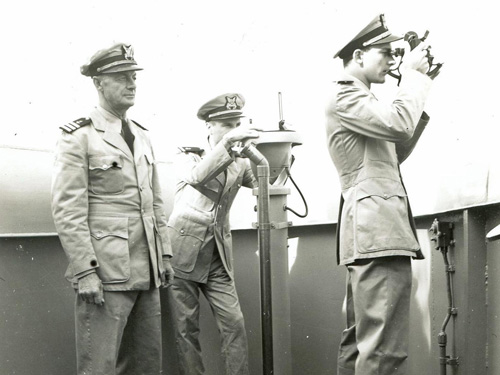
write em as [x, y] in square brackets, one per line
[106, 174]
[109, 237]
[381, 217]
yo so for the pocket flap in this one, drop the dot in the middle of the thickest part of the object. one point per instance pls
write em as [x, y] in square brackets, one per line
[105, 162]
[108, 226]
[186, 227]
[382, 187]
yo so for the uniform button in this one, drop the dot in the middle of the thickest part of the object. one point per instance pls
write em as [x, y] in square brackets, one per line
[220, 205]
[115, 164]
[99, 233]
[385, 196]
[93, 263]
[104, 165]
[182, 231]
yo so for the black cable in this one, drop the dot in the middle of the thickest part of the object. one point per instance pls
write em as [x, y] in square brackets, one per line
[301, 195]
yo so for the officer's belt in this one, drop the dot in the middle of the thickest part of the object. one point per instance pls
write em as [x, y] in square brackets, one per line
[372, 169]
[118, 211]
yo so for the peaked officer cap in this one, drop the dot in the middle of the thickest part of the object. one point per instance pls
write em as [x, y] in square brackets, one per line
[222, 107]
[376, 32]
[117, 58]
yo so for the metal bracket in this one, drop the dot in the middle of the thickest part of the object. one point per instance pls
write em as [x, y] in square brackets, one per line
[442, 234]
[275, 225]
[452, 361]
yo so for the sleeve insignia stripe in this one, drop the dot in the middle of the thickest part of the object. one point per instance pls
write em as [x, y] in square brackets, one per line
[77, 124]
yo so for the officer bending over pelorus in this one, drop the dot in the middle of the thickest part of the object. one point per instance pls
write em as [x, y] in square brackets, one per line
[208, 180]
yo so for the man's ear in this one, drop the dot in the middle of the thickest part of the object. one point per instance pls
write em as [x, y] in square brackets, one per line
[97, 83]
[357, 56]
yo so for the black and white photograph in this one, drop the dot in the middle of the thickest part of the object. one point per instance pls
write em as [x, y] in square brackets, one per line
[249, 187]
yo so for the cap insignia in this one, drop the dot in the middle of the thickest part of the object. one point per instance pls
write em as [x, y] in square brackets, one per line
[382, 21]
[231, 103]
[128, 52]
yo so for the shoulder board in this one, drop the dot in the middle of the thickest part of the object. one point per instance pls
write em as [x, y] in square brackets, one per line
[139, 125]
[194, 150]
[344, 82]
[71, 126]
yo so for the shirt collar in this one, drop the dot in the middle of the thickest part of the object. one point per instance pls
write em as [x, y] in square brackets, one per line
[105, 120]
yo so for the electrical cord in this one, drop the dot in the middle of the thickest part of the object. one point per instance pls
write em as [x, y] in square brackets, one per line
[301, 195]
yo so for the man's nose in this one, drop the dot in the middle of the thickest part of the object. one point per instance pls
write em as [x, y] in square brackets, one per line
[131, 83]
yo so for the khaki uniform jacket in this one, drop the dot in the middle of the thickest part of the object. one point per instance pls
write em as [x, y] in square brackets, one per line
[367, 140]
[206, 188]
[107, 205]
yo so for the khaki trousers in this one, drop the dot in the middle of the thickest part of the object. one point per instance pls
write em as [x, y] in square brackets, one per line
[378, 307]
[184, 304]
[120, 337]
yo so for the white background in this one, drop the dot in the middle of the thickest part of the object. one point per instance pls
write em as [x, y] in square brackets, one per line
[194, 50]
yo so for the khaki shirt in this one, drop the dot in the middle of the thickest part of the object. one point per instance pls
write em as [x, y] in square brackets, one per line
[363, 135]
[107, 205]
[206, 188]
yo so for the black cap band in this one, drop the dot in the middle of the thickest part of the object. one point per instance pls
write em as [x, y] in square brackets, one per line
[101, 65]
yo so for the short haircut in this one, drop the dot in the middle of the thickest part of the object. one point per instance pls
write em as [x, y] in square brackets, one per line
[348, 59]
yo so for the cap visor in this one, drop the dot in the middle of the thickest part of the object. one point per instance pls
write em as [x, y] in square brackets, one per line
[387, 39]
[226, 117]
[121, 68]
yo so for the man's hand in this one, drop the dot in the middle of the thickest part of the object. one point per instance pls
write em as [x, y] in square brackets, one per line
[434, 72]
[240, 134]
[167, 276]
[90, 289]
[417, 59]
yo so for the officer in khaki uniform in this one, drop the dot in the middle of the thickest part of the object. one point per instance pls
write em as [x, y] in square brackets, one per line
[108, 211]
[376, 237]
[208, 181]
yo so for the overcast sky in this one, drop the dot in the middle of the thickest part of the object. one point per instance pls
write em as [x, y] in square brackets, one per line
[194, 50]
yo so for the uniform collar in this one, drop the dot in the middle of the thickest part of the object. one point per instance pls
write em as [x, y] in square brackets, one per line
[111, 125]
[105, 120]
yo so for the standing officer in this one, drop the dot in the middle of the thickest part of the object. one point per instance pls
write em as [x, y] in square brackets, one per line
[108, 211]
[208, 181]
[376, 237]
